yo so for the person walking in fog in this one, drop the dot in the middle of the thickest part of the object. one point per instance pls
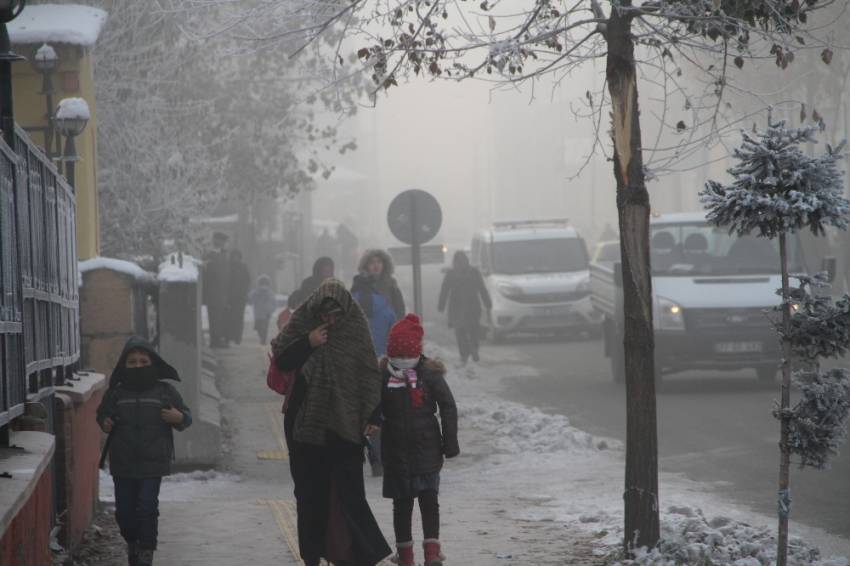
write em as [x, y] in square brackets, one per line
[292, 302]
[139, 411]
[323, 269]
[264, 303]
[377, 292]
[464, 292]
[414, 441]
[336, 392]
[237, 296]
[216, 281]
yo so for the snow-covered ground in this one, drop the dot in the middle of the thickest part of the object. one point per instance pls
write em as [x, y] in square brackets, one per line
[557, 473]
[529, 489]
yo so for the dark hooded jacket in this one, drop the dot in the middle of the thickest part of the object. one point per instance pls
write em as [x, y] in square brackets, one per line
[413, 441]
[310, 284]
[463, 291]
[141, 444]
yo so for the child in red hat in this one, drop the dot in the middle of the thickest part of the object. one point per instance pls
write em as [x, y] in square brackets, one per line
[414, 440]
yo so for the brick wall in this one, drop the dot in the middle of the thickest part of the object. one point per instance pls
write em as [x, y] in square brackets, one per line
[26, 540]
[78, 442]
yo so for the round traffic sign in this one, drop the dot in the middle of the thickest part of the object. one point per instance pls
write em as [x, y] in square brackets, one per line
[415, 217]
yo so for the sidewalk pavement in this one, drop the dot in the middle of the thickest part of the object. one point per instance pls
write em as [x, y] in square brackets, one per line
[244, 513]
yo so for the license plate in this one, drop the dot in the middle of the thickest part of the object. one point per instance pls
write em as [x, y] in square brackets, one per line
[555, 311]
[738, 347]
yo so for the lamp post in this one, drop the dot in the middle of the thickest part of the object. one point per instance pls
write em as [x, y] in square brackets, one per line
[9, 10]
[45, 61]
[72, 115]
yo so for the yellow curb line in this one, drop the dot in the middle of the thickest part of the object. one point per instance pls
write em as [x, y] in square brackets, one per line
[276, 418]
[284, 514]
[272, 455]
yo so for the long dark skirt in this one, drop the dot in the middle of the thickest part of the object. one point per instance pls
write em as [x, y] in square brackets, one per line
[334, 518]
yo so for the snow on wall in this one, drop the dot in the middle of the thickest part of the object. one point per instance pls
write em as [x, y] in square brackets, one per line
[73, 109]
[119, 265]
[170, 270]
[58, 23]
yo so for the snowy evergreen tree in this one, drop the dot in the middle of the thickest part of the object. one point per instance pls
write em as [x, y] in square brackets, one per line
[778, 190]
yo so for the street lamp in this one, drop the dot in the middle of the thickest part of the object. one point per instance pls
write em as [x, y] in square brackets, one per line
[72, 115]
[9, 10]
[45, 61]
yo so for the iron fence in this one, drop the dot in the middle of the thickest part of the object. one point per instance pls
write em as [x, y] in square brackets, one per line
[39, 300]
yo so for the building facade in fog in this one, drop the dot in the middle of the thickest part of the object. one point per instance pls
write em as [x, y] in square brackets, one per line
[69, 33]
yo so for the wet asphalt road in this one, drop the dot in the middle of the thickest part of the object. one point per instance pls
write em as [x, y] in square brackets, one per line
[714, 427]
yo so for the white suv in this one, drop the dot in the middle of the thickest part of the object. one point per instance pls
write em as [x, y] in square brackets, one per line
[538, 276]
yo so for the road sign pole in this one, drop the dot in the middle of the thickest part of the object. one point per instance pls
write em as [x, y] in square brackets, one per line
[416, 258]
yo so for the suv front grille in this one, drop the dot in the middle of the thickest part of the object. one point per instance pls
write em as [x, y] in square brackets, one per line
[698, 319]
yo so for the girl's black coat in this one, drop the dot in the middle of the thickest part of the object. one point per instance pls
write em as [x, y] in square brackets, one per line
[413, 441]
[142, 444]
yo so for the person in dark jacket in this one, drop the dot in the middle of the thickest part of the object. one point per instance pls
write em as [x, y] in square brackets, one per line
[140, 411]
[264, 303]
[323, 269]
[337, 390]
[237, 296]
[216, 285]
[414, 441]
[464, 292]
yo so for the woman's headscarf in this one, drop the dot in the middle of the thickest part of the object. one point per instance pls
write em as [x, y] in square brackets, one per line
[343, 379]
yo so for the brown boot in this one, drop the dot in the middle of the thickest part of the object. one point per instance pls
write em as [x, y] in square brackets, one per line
[404, 554]
[433, 555]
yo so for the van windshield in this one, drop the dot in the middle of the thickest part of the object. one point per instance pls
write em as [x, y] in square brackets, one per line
[559, 255]
[700, 249]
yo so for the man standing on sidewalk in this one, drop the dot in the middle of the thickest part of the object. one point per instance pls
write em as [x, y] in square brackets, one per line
[215, 288]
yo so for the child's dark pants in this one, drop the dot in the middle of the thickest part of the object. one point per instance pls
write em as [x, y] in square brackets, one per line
[429, 507]
[137, 509]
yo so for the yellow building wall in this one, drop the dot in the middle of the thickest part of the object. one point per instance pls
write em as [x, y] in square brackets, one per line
[31, 111]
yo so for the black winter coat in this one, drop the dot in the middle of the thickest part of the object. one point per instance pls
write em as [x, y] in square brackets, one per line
[141, 443]
[464, 292]
[413, 441]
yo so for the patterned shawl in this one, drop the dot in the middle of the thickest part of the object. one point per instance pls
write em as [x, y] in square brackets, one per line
[343, 379]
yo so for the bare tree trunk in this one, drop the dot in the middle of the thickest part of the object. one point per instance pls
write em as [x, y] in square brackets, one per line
[785, 403]
[641, 481]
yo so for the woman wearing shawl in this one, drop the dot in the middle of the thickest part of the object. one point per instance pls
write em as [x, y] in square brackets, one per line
[337, 389]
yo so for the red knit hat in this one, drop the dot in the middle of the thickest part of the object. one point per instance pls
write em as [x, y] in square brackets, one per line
[405, 339]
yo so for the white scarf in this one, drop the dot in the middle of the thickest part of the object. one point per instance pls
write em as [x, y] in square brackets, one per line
[402, 371]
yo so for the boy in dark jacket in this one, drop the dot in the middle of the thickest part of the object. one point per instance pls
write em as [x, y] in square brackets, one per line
[139, 412]
[414, 442]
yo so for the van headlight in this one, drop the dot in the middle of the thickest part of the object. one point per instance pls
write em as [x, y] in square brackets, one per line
[509, 290]
[668, 315]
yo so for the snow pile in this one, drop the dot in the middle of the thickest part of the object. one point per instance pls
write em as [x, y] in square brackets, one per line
[515, 429]
[119, 265]
[689, 538]
[73, 109]
[57, 23]
[170, 271]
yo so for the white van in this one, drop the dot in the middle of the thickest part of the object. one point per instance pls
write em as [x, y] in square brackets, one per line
[537, 273]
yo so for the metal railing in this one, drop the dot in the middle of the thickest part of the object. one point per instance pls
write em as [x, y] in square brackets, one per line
[39, 300]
